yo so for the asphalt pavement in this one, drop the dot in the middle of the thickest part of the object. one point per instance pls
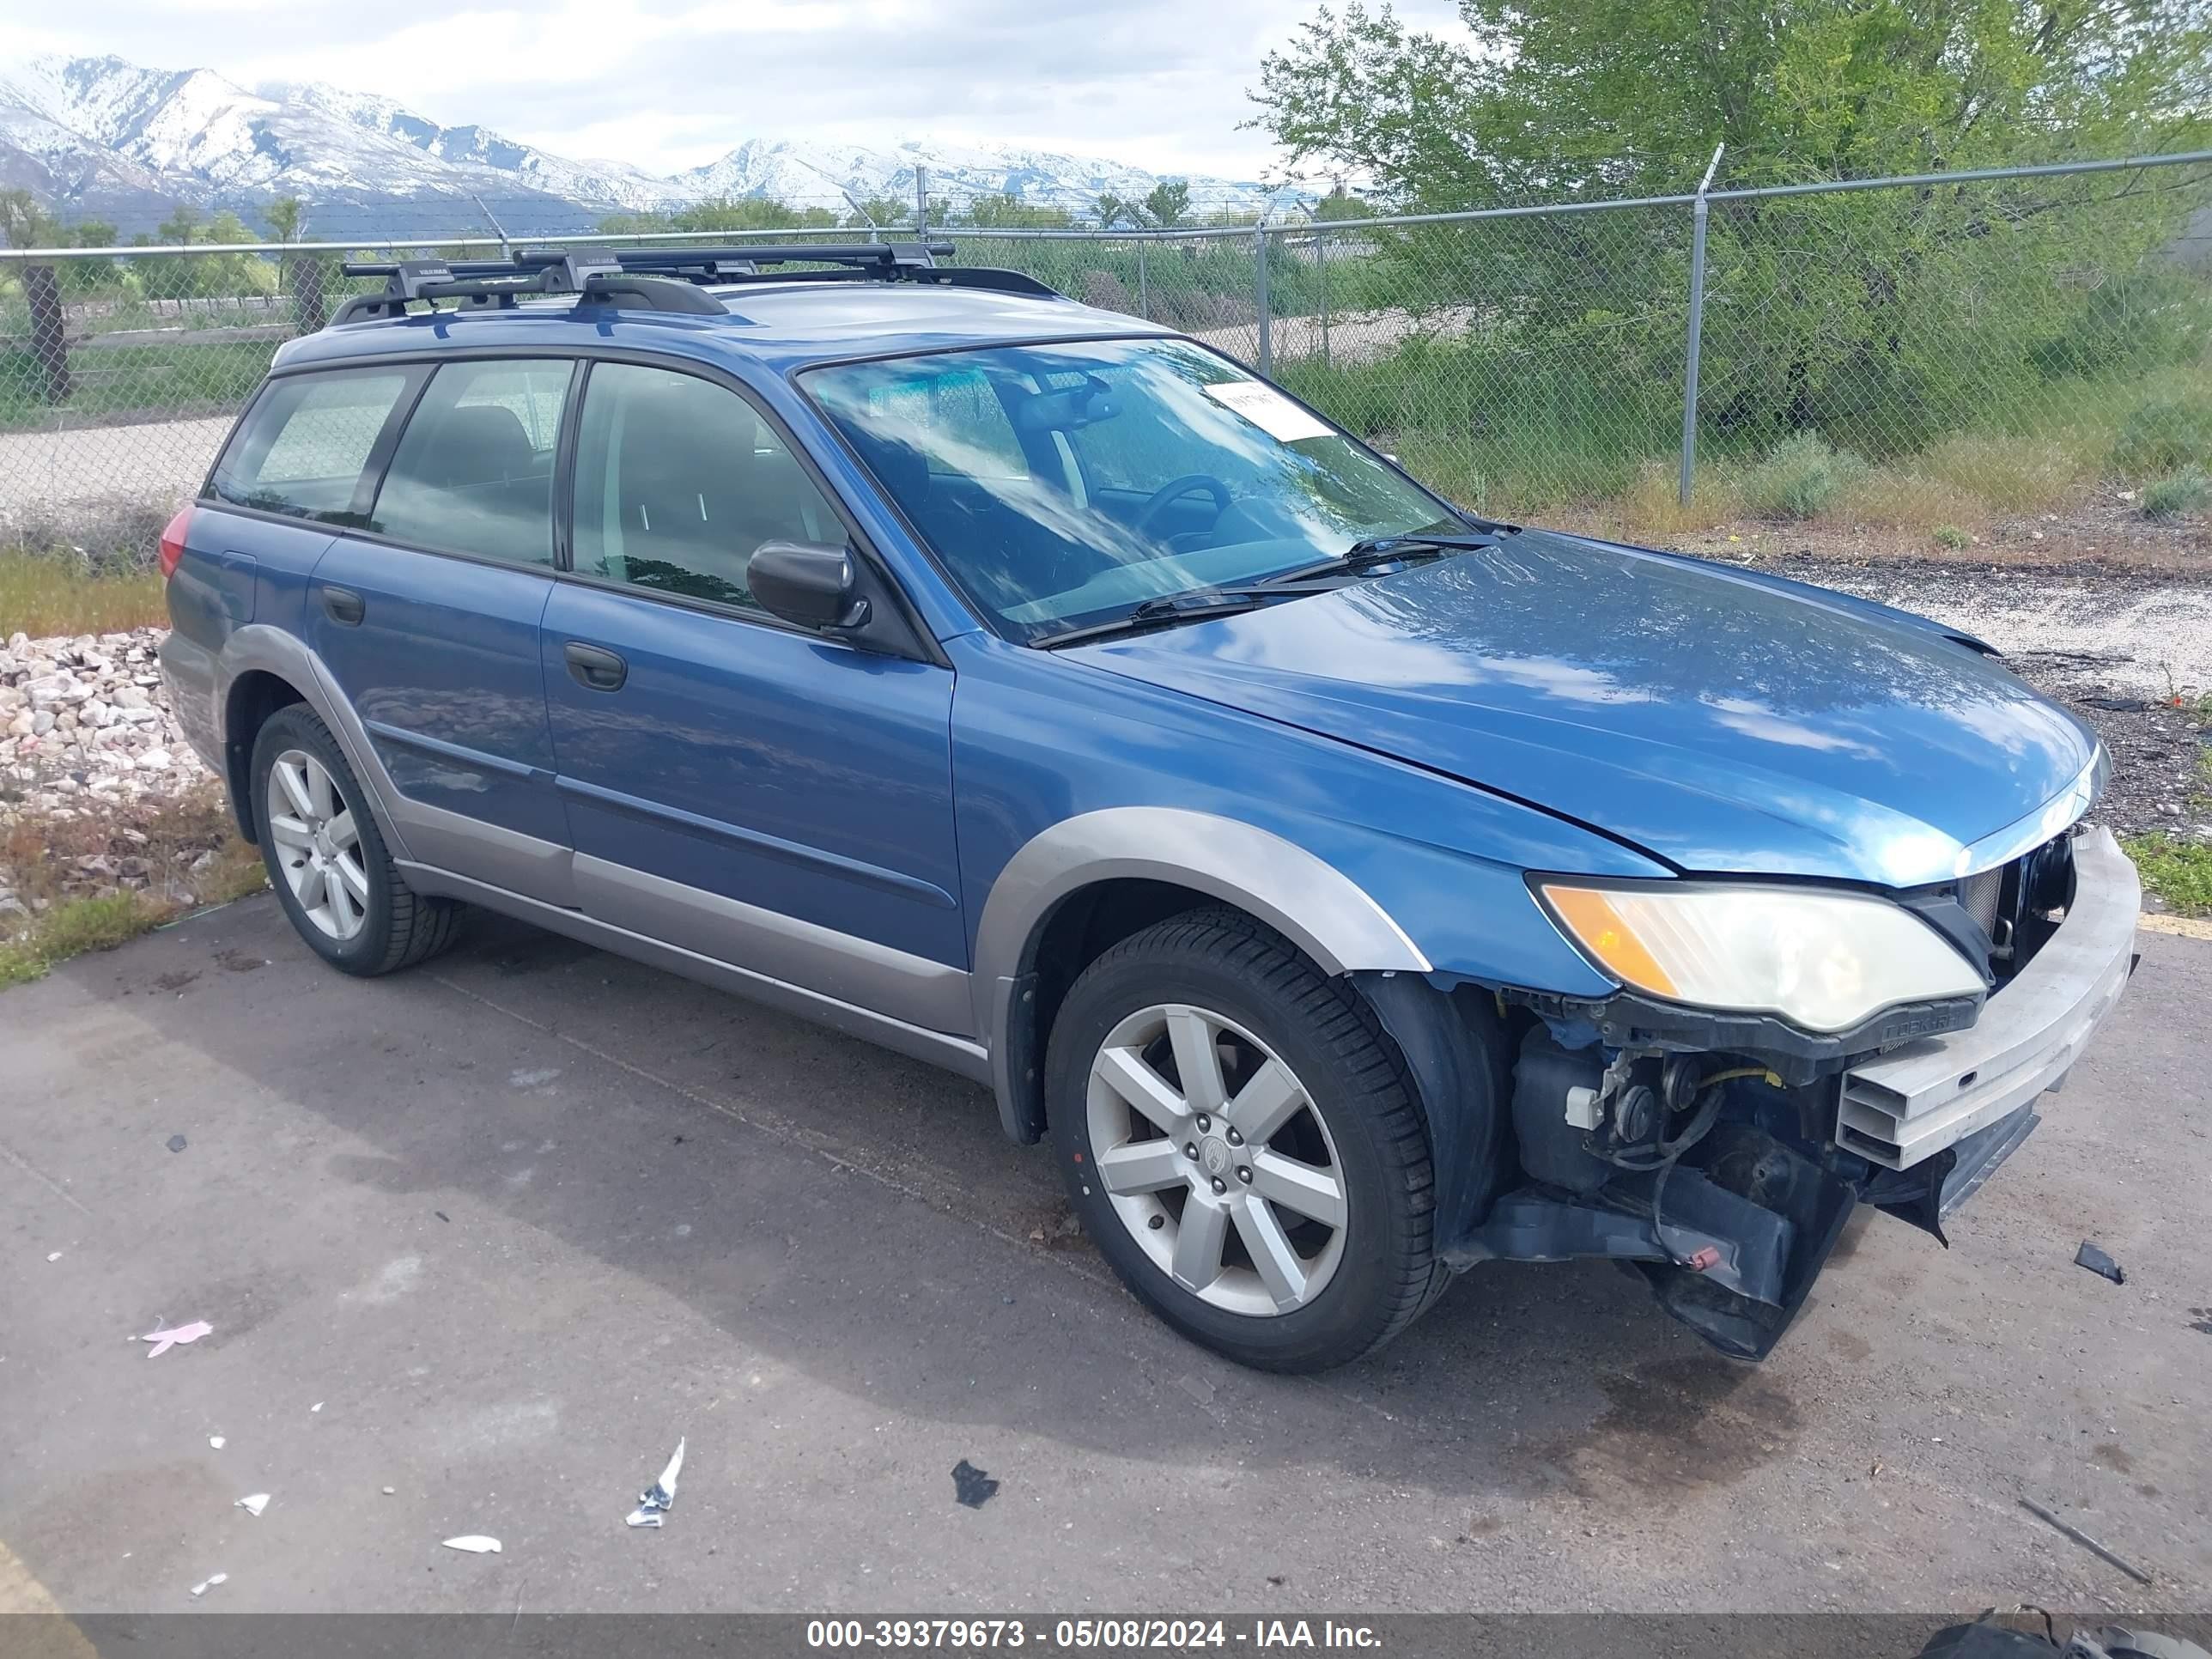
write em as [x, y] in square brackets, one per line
[478, 1243]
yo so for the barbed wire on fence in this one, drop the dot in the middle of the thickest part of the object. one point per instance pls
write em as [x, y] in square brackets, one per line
[1979, 335]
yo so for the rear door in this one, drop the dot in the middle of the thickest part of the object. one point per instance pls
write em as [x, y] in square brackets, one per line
[759, 794]
[428, 617]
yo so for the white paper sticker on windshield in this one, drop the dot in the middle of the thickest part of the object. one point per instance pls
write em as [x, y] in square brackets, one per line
[1268, 409]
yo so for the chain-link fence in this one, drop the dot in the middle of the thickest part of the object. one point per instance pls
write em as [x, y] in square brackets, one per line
[1894, 349]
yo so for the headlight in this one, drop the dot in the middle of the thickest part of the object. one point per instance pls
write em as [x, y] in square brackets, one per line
[1822, 961]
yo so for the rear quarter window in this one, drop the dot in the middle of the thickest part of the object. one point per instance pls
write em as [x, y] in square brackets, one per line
[303, 449]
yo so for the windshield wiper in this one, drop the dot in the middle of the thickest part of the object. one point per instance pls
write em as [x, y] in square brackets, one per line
[1195, 605]
[1368, 553]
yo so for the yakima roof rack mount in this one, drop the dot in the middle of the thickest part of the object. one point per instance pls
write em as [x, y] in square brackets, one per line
[661, 278]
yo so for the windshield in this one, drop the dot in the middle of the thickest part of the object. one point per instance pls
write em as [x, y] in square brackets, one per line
[1063, 485]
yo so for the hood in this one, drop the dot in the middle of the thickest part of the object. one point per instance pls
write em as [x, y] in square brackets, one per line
[1714, 719]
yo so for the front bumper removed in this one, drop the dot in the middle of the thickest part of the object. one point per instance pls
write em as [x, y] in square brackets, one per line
[1744, 1224]
[1907, 1106]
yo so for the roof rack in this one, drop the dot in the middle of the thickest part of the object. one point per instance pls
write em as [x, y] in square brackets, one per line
[663, 278]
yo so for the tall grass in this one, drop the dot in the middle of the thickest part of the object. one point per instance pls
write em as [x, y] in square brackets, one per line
[46, 593]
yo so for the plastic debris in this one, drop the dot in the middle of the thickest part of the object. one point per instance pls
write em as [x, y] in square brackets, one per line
[657, 1500]
[176, 1143]
[2098, 1262]
[971, 1485]
[216, 1441]
[254, 1504]
[388, 1490]
[2085, 1541]
[474, 1543]
[210, 1583]
[54, 1256]
[316, 1406]
[176, 1337]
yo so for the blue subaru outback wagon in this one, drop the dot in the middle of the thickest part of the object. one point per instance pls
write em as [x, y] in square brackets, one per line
[1351, 889]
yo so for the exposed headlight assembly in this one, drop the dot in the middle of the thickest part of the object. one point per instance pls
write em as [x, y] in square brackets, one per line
[1823, 961]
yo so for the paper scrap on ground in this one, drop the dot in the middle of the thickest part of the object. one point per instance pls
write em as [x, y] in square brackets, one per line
[474, 1543]
[316, 1406]
[56, 1256]
[210, 1583]
[1268, 409]
[176, 1337]
[216, 1441]
[656, 1500]
[254, 1505]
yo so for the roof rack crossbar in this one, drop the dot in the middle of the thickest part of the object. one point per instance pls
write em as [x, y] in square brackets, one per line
[660, 279]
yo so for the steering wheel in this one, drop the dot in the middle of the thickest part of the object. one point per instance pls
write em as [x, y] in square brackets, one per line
[1175, 490]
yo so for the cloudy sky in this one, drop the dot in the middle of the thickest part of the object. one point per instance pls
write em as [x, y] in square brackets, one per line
[665, 84]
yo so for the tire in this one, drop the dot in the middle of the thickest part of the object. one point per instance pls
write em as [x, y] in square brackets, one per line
[376, 923]
[1342, 1171]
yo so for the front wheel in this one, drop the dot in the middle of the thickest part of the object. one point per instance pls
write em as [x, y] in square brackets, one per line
[1237, 1138]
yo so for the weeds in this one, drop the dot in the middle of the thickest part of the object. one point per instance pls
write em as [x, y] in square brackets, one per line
[2183, 492]
[2166, 434]
[42, 862]
[77, 925]
[48, 593]
[2179, 872]
[1802, 478]
[1949, 536]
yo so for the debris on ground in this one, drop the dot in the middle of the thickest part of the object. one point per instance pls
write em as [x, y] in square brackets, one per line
[176, 1337]
[177, 1143]
[388, 1490]
[210, 1583]
[54, 1256]
[254, 1504]
[656, 1500]
[316, 1406]
[2098, 1262]
[216, 1441]
[970, 1485]
[474, 1543]
[2085, 1541]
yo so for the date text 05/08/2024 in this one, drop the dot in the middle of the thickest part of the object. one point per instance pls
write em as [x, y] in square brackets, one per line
[1084, 1634]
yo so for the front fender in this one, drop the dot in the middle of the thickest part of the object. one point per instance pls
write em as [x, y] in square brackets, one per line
[1318, 907]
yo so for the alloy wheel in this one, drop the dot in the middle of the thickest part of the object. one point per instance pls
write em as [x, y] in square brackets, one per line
[1216, 1159]
[318, 844]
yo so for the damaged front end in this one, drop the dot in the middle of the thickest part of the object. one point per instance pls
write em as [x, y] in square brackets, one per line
[1721, 1154]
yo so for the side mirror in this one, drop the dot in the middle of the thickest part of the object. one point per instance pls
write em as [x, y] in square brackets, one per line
[813, 584]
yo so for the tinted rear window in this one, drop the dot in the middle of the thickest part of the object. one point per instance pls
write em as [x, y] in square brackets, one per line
[303, 449]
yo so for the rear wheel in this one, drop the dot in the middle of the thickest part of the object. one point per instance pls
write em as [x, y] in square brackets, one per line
[326, 858]
[1237, 1139]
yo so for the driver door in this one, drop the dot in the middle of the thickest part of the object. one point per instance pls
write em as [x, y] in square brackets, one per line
[736, 786]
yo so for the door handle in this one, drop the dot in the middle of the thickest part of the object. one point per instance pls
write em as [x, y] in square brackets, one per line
[593, 668]
[343, 606]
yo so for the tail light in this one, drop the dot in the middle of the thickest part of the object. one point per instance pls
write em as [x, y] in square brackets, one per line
[173, 540]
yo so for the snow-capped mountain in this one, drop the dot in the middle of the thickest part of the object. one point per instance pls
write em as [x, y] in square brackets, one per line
[102, 138]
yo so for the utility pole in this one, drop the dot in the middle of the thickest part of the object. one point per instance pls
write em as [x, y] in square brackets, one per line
[921, 201]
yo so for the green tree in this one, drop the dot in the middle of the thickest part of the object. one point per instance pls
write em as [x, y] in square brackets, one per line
[1169, 204]
[1008, 211]
[1548, 98]
[1340, 204]
[286, 215]
[23, 223]
[1118, 211]
[880, 210]
[1881, 318]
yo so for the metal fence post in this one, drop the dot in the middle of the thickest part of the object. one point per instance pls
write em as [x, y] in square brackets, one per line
[1259, 294]
[1143, 293]
[921, 203]
[1321, 274]
[1699, 212]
